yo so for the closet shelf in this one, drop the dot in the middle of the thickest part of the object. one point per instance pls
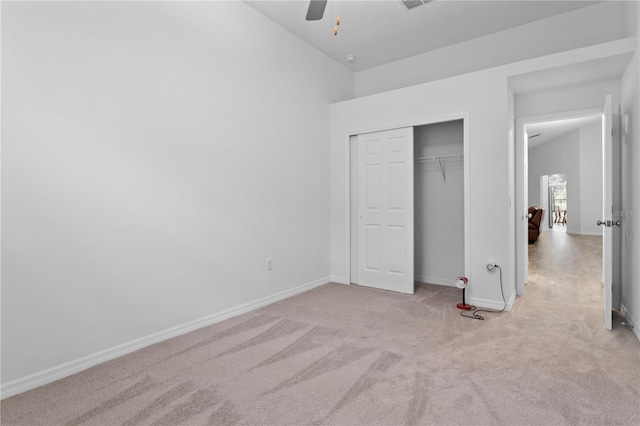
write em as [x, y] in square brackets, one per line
[441, 163]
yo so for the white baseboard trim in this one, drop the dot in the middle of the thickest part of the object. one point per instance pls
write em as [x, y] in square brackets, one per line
[435, 280]
[627, 315]
[492, 304]
[67, 369]
[339, 280]
[585, 233]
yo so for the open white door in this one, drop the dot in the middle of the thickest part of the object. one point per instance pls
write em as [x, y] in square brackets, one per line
[522, 205]
[385, 210]
[607, 210]
[525, 214]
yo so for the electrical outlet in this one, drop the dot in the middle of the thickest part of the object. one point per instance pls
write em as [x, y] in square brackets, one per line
[491, 266]
[269, 264]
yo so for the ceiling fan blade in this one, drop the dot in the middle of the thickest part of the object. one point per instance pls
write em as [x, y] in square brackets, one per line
[316, 10]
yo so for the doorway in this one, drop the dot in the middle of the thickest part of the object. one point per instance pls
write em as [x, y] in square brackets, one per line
[435, 162]
[553, 145]
[554, 195]
[592, 185]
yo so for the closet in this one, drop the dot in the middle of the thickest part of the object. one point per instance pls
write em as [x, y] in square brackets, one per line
[407, 206]
[439, 202]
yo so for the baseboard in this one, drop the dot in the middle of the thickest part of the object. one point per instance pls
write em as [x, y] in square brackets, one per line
[493, 304]
[585, 233]
[630, 319]
[434, 280]
[67, 369]
[339, 280]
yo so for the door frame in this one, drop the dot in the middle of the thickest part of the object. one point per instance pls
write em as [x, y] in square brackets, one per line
[544, 200]
[521, 203]
[349, 190]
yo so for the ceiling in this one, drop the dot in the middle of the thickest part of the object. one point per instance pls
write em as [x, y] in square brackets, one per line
[551, 130]
[381, 31]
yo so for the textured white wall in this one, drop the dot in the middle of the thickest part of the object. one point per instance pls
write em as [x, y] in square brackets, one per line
[588, 26]
[154, 154]
[439, 204]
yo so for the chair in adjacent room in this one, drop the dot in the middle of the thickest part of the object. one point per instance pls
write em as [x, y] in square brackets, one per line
[536, 214]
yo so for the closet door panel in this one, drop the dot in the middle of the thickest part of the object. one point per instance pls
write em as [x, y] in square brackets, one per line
[396, 249]
[396, 186]
[385, 210]
[373, 187]
[372, 248]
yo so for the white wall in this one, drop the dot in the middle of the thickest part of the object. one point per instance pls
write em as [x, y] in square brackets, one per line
[487, 157]
[561, 155]
[572, 98]
[154, 155]
[630, 89]
[588, 26]
[579, 155]
[439, 204]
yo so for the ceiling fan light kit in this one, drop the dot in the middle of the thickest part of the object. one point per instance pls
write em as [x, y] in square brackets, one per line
[315, 12]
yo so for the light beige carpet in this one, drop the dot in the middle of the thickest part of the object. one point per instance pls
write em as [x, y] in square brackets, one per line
[349, 355]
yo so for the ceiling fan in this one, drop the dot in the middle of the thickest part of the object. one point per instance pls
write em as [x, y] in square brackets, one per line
[316, 7]
[316, 10]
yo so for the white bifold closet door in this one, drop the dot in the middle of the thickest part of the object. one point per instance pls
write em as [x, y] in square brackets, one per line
[385, 210]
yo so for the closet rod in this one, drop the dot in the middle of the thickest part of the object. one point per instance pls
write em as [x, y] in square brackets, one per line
[442, 157]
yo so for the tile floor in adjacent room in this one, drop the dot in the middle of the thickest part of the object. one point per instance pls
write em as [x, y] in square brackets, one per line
[566, 267]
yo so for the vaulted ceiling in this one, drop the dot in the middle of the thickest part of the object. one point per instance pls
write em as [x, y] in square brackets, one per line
[381, 31]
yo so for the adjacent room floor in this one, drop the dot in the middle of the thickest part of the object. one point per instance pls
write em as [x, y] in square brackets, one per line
[566, 268]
